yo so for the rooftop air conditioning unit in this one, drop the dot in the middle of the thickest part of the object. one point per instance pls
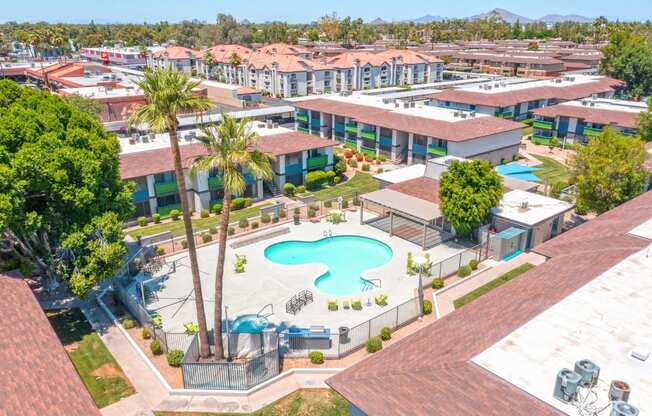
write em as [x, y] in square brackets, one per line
[275, 125]
[589, 372]
[524, 203]
[472, 114]
[413, 104]
[592, 104]
[585, 103]
[268, 124]
[463, 115]
[566, 385]
[623, 409]
[619, 390]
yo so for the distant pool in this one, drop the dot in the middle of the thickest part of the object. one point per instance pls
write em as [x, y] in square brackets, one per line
[518, 171]
[345, 256]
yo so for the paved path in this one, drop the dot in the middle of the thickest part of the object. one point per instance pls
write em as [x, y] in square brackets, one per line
[149, 391]
[445, 298]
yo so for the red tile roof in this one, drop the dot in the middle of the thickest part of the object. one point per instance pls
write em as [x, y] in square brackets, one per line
[292, 142]
[177, 52]
[507, 98]
[423, 188]
[37, 375]
[431, 372]
[469, 129]
[591, 114]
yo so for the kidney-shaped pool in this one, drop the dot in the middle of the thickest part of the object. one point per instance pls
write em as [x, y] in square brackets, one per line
[346, 257]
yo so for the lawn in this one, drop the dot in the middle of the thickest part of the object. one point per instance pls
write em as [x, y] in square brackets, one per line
[360, 183]
[461, 301]
[177, 229]
[552, 171]
[308, 402]
[103, 377]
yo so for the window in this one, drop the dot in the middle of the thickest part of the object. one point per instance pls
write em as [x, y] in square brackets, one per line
[217, 194]
[164, 201]
[420, 140]
[164, 177]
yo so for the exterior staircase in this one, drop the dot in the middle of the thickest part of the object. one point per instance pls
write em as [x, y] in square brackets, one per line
[273, 189]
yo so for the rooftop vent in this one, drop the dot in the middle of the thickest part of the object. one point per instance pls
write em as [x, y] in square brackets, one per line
[589, 372]
[623, 409]
[619, 390]
[640, 354]
[413, 104]
[566, 385]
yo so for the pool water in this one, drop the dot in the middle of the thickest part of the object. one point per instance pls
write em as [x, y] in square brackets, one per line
[345, 256]
[249, 324]
[518, 171]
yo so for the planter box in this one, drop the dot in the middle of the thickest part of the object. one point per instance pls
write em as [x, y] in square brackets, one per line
[306, 198]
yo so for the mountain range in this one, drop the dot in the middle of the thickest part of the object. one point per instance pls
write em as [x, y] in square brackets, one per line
[506, 15]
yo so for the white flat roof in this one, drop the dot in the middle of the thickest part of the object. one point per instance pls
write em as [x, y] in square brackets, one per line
[402, 174]
[603, 321]
[217, 117]
[608, 104]
[539, 208]
[643, 230]
[566, 81]
[103, 92]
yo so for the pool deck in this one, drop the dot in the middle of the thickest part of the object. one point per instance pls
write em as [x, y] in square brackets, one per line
[265, 282]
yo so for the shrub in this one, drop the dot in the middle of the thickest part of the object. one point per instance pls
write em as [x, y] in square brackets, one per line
[212, 230]
[340, 165]
[175, 357]
[369, 158]
[297, 211]
[217, 208]
[240, 263]
[204, 213]
[157, 321]
[289, 189]
[155, 347]
[374, 344]
[254, 225]
[332, 305]
[128, 324]
[386, 333]
[356, 305]
[311, 212]
[346, 304]
[231, 231]
[337, 180]
[580, 208]
[247, 202]
[382, 158]
[301, 189]
[348, 154]
[437, 283]
[381, 300]
[145, 333]
[353, 163]
[328, 204]
[160, 251]
[191, 328]
[316, 357]
[237, 203]
[274, 220]
[283, 214]
[184, 244]
[175, 214]
[379, 170]
[473, 264]
[156, 218]
[265, 218]
[243, 223]
[464, 271]
[345, 204]
[330, 176]
[365, 167]
[359, 157]
[315, 179]
[426, 308]
[142, 221]
[206, 238]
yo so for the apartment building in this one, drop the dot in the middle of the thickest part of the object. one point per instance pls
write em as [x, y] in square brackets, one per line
[518, 100]
[507, 64]
[147, 161]
[128, 57]
[406, 131]
[580, 120]
[228, 66]
[177, 57]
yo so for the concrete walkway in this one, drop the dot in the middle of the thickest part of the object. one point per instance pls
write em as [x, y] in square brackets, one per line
[446, 296]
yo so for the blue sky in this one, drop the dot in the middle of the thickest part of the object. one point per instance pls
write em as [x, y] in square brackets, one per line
[297, 11]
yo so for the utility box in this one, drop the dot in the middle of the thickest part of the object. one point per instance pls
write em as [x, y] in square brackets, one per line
[508, 243]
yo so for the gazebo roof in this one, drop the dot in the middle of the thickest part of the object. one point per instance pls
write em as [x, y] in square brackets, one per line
[406, 204]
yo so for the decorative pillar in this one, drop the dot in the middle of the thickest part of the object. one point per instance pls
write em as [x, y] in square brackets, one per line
[333, 126]
[410, 143]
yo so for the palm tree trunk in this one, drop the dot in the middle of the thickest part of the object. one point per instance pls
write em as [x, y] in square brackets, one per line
[204, 350]
[219, 273]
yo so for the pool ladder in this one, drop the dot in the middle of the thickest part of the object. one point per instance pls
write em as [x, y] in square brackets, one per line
[371, 284]
[328, 233]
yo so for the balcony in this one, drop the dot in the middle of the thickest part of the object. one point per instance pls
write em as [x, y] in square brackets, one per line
[351, 143]
[438, 151]
[504, 114]
[419, 149]
[317, 162]
[315, 123]
[163, 211]
[592, 131]
[165, 187]
[293, 169]
[368, 134]
[339, 127]
[541, 139]
[215, 183]
[368, 151]
[303, 118]
[351, 128]
[303, 130]
[140, 196]
[386, 140]
[541, 124]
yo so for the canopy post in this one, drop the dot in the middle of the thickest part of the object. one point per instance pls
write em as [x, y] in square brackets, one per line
[425, 230]
[391, 223]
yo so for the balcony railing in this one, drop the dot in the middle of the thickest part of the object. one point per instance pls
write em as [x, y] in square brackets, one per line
[317, 162]
[303, 129]
[315, 123]
[592, 131]
[435, 150]
[368, 134]
[351, 143]
[419, 149]
[339, 127]
[163, 211]
[140, 196]
[368, 151]
[504, 114]
[386, 140]
[215, 182]
[541, 139]
[301, 117]
[165, 187]
[541, 124]
[351, 128]
[293, 169]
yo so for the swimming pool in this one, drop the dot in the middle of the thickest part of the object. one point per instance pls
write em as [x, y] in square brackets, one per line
[249, 324]
[518, 171]
[346, 257]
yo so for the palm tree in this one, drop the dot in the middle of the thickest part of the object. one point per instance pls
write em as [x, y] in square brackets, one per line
[232, 148]
[169, 93]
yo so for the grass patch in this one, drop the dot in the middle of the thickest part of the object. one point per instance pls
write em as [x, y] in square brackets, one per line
[461, 301]
[360, 183]
[103, 377]
[177, 228]
[552, 171]
[307, 402]
[526, 131]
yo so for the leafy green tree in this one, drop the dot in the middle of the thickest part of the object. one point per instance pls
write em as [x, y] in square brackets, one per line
[85, 105]
[313, 35]
[169, 93]
[628, 57]
[231, 150]
[467, 191]
[62, 202]
[609, 171]
[645, 123]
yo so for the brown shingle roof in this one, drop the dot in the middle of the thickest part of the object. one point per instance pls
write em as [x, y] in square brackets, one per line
[507, 98]
[431, 372]
[590, 114]
[37, 375]
[469, 129]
